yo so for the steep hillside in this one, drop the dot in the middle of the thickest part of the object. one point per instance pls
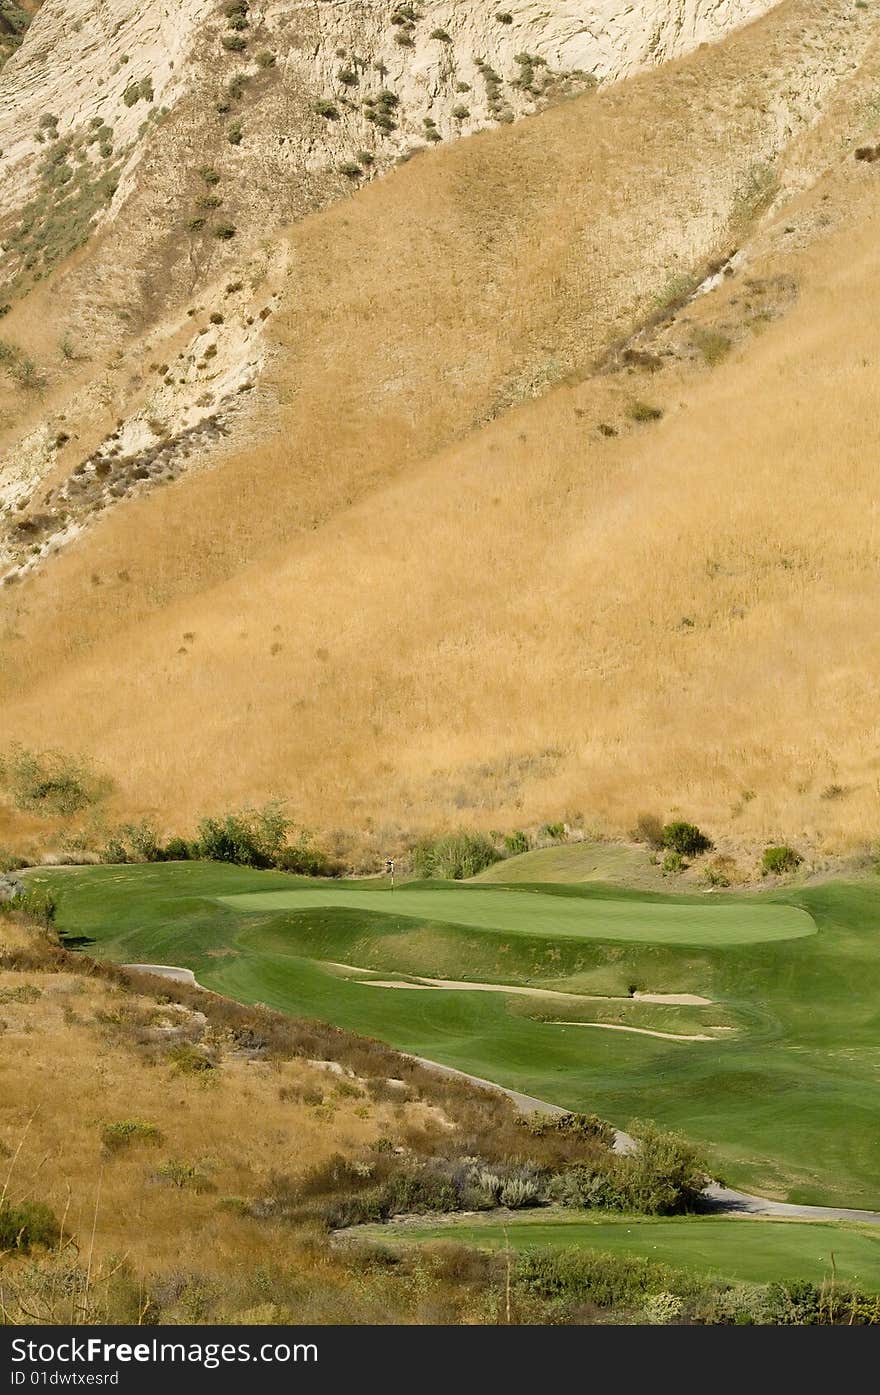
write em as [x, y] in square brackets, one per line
[183, 137]
[491, 558]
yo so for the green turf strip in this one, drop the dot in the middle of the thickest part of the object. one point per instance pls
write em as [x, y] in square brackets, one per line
[758, 1251]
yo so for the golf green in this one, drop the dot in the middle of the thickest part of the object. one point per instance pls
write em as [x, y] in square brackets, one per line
[532, 912]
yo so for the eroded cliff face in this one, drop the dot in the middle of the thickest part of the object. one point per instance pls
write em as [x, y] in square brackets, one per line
[100, 77]
[171, 142]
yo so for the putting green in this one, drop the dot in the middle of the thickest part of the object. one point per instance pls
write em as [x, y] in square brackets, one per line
[754, 1251]
[534, 913]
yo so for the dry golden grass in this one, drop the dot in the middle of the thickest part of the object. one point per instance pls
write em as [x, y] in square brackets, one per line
[64, 1076]
[205, 1220]
[399, 616]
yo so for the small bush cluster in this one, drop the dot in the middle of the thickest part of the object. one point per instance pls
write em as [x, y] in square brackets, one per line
[50, 782]
[686, 839]
[556, 832]
[516, 843]
[380, 110]
[37, 906]
[184, 1176]
[567, 1159]
[119, 1136]
[780, 861]
[456, 856]
[640, 411]
[26, 1224]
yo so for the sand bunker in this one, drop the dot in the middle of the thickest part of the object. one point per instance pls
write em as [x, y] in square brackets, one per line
[454, 985]
[639, 1031]
[674, 999]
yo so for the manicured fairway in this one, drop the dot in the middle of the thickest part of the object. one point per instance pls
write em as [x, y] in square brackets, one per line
[783, 1095]
[531, 912]
[757, 1251]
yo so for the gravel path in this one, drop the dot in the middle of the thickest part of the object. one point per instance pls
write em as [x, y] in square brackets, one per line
[718, 1200]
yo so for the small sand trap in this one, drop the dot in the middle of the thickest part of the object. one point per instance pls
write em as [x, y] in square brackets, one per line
[393, 983]
[674, 999]
[348, 968]
[455, 985]
[639, 1031]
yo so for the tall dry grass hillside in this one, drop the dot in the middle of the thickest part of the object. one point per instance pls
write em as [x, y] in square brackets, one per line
[529, 477]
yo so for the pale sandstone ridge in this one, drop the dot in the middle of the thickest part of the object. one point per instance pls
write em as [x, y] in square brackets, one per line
[77, 62]
[79, 59]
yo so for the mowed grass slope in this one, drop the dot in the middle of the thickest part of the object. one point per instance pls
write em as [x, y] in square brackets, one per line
[415, 605]
[755, 1251]
[785, 1102]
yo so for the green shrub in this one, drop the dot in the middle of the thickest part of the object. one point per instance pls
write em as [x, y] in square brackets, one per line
[588, 1127]
[456, 856]
[132, 94]
[461, 112]
[40, 907]
[49, 782]
[555, 831]
[324, 107]
[186, 1060]
[716, 874]
[186, 1176]
[779, 861]
[305, 861]
[117, 1136]
[441, 36]
[224, 230]
[234, 133]
[25, 993]
[582, 1276]
[516, 843]
[643, 411]
[517, 1192]
[666, 1174]
[712, 344]
[686, 838]
[233, 43]
[266, 58]
[673, 863]
[209, 175]
[176, 850]
[27, 1223]
[251, 838]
